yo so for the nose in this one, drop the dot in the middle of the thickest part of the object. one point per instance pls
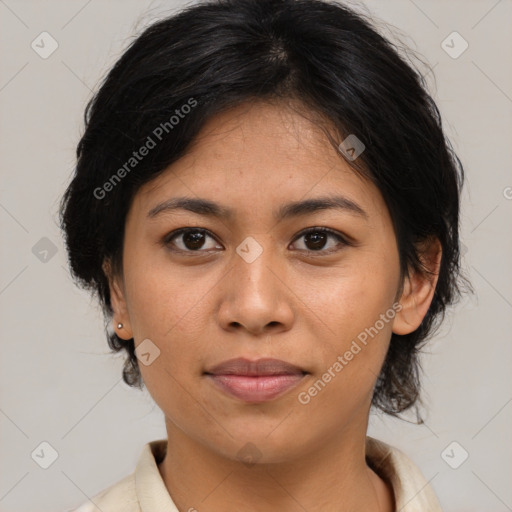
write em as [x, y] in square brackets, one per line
[255, 295]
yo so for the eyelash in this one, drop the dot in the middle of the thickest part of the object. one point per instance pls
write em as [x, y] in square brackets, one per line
[321, 252]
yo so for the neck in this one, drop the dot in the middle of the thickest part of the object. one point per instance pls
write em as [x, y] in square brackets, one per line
[333, 476]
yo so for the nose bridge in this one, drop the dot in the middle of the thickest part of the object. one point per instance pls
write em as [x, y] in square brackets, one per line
[255, 298]
[253, 262]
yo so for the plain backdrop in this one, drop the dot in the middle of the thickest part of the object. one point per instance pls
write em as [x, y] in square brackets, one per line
[59, 383]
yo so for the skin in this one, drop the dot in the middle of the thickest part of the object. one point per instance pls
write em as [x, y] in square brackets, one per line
[304, 307]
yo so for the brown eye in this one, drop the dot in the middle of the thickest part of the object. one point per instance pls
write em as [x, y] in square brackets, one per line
[193, 240]
[316, 240]
[190, 240]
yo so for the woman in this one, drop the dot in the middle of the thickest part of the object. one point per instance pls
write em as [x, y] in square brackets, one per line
[267, 208]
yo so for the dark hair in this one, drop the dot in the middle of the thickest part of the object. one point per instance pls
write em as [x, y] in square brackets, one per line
[320, 55]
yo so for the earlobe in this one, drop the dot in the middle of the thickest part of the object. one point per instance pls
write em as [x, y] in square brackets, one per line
[418, 290]
[120, 318]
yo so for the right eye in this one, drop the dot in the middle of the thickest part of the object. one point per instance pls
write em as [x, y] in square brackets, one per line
[189, 240]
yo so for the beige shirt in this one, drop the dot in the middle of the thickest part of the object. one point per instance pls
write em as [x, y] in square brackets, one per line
[145, 491]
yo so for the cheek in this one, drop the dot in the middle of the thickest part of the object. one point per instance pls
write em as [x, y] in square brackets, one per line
[166, 311]
[353, 359]
[358, 309]
[165, 301]
[355, 298]
[170, 307]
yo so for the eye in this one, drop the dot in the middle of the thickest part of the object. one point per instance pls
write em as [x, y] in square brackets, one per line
[189, 240]
[316, 239]
[194, 240]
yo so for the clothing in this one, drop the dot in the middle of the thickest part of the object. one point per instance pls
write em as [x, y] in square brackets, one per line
[144, 490]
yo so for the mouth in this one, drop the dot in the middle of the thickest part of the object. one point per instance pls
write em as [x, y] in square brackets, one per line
[255, 381]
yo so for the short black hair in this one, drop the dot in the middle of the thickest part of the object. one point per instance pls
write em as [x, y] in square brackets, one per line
[217, 54]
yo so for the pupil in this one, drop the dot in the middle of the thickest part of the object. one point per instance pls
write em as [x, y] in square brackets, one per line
[317, 238]
[194, 239]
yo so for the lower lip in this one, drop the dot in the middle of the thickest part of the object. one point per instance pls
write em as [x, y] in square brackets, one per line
[256, 389]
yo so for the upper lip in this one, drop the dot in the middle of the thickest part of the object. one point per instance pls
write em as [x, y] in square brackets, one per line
[259, 367]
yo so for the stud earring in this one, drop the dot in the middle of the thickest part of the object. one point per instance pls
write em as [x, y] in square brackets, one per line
[119, 325]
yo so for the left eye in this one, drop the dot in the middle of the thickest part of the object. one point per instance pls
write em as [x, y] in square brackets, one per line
[193, 240]
[316, 239]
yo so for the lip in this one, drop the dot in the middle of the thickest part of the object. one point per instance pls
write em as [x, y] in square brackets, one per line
[255, 381]
[258, 368]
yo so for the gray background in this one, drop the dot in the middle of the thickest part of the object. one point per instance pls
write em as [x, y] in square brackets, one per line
[60, 384]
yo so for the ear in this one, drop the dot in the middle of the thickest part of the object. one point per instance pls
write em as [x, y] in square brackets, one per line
[418, 290]
[118, 302]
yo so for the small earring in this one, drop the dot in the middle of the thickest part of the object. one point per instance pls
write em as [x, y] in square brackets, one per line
[119, 325]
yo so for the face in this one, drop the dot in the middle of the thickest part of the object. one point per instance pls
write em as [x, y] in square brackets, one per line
[312, 287]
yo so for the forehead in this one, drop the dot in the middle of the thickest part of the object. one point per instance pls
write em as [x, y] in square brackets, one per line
[276, 136]
[262, 152]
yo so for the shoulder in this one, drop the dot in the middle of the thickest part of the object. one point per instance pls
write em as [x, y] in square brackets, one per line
[143, 489]
[413, 492]
[120, 496]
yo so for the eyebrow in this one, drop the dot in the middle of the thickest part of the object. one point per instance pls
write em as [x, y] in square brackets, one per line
[211, 209]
